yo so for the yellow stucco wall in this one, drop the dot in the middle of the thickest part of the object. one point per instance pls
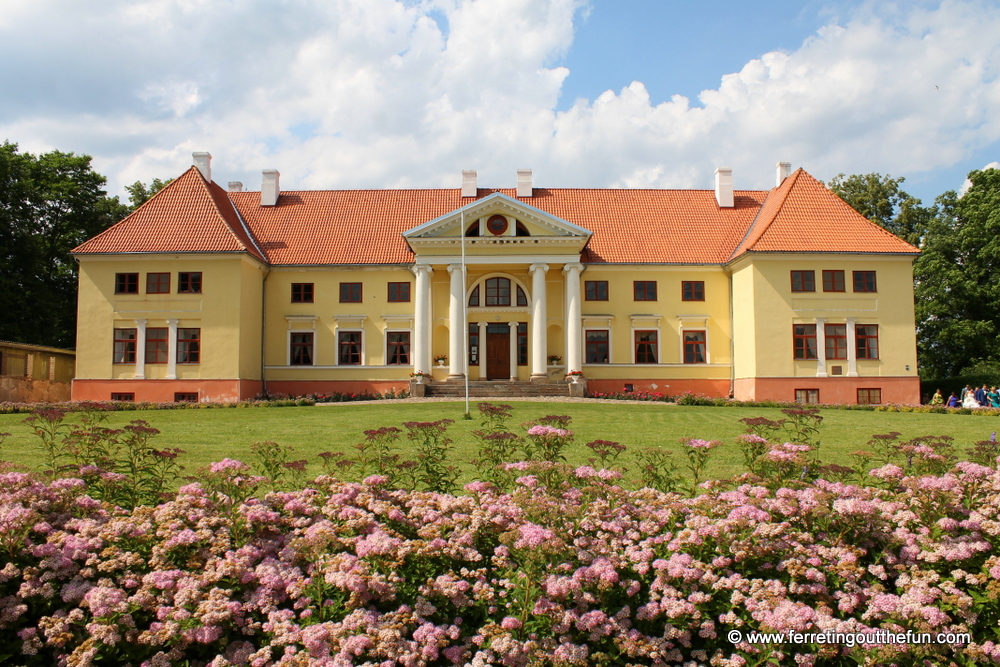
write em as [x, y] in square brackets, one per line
[765, 308]
[227, 312]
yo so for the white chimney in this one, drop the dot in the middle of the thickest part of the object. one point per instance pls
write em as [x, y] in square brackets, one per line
[236, 186]
[204, 163]
[724, 187]
[469, 186]
[523, 182]
[784, 171]
[269, 189]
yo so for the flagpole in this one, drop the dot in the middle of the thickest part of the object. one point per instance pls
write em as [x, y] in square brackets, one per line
[465, 318]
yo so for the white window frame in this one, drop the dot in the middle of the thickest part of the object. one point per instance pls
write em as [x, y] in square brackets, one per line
[639, 323]
[298, 324]
[694, 323]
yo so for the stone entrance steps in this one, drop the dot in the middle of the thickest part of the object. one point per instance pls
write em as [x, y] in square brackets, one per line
[498, 388]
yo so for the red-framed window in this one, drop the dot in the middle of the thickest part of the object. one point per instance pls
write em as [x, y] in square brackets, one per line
[803, 281]
[645, 290]
[869, 396]
[185, 397]
[595, 290]
[349, 348]
[867, 340]
[301, 348]
[123, 396]
[157, 283]
[836, 341]
[804, 341]
[692, 290]
[864, 281]
[156, 345]
[126, 283]
[807, 395]
[833, 281]
[399, 292]
[189, 282]
[695, 351]
[397, 351]
[189, 346]
[645, 347]
[350, 292]
[598, 351]
[498, 292]
[125, 342]
[302, 292]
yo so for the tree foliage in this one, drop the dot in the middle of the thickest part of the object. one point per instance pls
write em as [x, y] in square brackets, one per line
[139, 192]
[957, 280]
[49, 204]
[881, 199]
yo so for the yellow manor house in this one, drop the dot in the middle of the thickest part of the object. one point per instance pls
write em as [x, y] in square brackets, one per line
[204, 294]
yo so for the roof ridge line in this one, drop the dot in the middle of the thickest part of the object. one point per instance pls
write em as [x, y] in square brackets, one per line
[793, 179]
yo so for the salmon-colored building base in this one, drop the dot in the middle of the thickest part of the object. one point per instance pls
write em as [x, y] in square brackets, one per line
[164, 391]
[668, 387]
[309, 387]
[843, 390]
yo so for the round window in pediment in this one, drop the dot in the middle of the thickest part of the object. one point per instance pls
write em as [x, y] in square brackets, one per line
[497, 225]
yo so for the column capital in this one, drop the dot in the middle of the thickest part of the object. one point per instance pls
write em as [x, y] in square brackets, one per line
[141, 321]
[455, 267]
[851, 320]
[820, 320]
[422, 268]
[573, 266]
[513, 325]
[482, 324]
[538, 267]
[173, 321]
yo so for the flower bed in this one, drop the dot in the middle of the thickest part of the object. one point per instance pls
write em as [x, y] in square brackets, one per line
[590, 573]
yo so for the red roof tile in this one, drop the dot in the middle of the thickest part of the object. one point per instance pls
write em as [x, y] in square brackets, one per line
[365, 226]
[189, 215]
[802, 215]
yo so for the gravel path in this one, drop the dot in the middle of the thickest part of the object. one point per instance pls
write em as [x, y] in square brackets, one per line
[497, 399]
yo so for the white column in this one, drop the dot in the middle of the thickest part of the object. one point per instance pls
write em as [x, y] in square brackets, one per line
[140, 349]
[422, 319]
[539, 317]
[821, 347]
[456, 323]
[513, 351]
[852, 347]
[482, 351]
[172, 349]
[574, 323]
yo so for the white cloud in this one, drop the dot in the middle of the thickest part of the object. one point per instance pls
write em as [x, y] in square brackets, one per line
[968, 184]
[379, 93]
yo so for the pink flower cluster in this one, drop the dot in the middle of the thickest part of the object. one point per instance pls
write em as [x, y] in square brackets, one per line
[360, 574]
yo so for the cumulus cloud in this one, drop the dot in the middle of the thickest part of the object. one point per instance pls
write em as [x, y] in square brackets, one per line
[383, 93]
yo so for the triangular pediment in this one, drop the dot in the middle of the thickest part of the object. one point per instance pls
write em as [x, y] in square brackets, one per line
[537, 222]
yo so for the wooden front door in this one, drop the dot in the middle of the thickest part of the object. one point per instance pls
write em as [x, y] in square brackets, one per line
[498, 352]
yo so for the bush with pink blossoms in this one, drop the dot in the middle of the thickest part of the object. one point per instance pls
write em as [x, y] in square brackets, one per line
[586, 573]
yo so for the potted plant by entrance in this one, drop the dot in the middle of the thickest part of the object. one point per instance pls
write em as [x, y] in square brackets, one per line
[574, 376]
[554, 360]
[441, 359]
[418, 376]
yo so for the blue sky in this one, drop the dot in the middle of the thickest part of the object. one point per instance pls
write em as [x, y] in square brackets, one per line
[384, 93]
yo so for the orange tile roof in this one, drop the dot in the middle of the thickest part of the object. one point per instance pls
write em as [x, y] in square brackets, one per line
[802, 215]
[329, 227]
[188, 215]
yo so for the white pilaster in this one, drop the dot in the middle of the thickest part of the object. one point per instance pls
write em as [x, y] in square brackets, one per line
[140, 349]
[513, 351]
[539, 316]
[821, 347]
[852, 347]
[456, 326]
[482, 350]
[574, 323]
[172, 349]
[422, 319]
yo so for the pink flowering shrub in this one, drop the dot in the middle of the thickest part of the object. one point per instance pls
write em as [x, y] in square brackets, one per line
[586, 573]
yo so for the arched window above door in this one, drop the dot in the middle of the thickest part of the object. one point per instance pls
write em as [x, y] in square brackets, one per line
[497, 293]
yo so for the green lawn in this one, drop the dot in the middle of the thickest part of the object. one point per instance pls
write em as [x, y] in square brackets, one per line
[210, 435]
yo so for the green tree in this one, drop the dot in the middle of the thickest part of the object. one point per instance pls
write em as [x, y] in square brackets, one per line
[880, 199]
[139, 192]
[49, 204]
[957, 280]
